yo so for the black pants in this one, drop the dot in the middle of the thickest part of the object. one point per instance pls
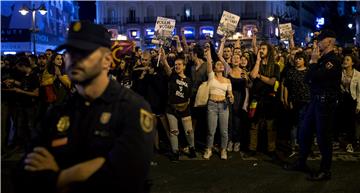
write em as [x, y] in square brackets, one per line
[319, 114]
[346, 118]
[25, 124]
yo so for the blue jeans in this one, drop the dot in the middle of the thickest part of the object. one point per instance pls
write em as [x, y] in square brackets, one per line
[217, 112]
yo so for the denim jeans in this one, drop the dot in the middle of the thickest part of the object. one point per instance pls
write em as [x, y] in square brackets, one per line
[217, 112]
[174, 131]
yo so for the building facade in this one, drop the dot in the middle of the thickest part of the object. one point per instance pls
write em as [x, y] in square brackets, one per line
[136, 19]
[51, 28]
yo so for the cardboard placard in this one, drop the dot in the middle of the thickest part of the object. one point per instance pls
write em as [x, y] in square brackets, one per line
[285, 31]
[228, 23]
[164, 27]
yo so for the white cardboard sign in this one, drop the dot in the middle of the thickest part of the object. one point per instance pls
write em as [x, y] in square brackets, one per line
[285, 31]
[228, 23]
[164, 27]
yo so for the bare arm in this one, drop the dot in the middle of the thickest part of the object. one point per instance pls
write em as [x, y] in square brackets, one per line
[285, 97]
[237, 43]
[41, 159]
[178, 44]
[34, 93]
[79, 172]
[253, 42]
[164, 62]
[12, 82]
[209, 61]
[222, 44]
[267, 80]
[183, 40]
[65, 80]
[255, 71]
[246, 101]
[292, 43]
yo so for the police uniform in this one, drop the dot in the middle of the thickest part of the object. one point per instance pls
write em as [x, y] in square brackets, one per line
[118, 125]
[324, 79]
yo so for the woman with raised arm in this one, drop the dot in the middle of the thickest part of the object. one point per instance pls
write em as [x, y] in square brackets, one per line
[220, 92]
[240, 81]
[179, 93]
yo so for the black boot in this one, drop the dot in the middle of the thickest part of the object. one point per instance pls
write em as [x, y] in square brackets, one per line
[192, 153]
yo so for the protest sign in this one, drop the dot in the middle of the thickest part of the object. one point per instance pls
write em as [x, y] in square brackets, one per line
[285, 31]
[228, 23]
[164, 27]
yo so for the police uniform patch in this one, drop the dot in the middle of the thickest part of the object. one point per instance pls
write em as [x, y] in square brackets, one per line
[329, 65]
[77, 27]
[63, 124]
[105, 117]
[146, 121]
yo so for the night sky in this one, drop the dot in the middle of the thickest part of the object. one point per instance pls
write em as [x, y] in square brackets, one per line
[87, 10]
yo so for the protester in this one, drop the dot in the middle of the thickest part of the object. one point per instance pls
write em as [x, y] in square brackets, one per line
[179, 90]
[220, 97]
[264, 74]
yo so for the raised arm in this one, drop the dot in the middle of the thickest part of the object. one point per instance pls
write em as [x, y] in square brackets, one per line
[178, 44]
[209, 61]
[292, 43]
[238, 43]
[253, 42]
[220, 55]
[255, 71]
[222, 44]
[183, 41]
[164, 62]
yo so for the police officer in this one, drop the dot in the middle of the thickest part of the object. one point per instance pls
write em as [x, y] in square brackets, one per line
[100, 140]
[324, 78]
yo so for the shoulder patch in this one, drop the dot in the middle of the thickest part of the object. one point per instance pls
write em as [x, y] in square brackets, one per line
[105, 117]
[329, 65]
[63, 124]
[147, 121]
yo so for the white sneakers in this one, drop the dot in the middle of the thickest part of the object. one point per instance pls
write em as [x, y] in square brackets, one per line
[349, 148]
[230, 146]
[236, 147]
[208, 153]
[223, 154]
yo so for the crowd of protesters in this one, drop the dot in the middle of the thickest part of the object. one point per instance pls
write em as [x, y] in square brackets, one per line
[254, 91]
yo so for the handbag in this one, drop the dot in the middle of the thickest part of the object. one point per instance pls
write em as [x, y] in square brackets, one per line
[50, 95]
[202, 95]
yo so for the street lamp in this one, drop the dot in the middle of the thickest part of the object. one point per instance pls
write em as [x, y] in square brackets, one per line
[25, 10]
[271, 18]
[350, 25]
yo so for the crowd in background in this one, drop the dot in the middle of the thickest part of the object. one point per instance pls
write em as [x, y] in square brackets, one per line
[247, 100]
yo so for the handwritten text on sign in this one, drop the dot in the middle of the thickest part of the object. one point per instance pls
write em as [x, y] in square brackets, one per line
[164, 26]
[228, 23]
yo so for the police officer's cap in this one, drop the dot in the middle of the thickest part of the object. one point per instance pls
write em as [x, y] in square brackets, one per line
[85, 35]
[326, 33]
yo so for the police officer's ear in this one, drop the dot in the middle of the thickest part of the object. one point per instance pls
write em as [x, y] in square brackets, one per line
[107, 58]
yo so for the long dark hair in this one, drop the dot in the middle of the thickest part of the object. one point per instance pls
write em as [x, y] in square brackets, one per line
[270, 67]
[51, 64]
